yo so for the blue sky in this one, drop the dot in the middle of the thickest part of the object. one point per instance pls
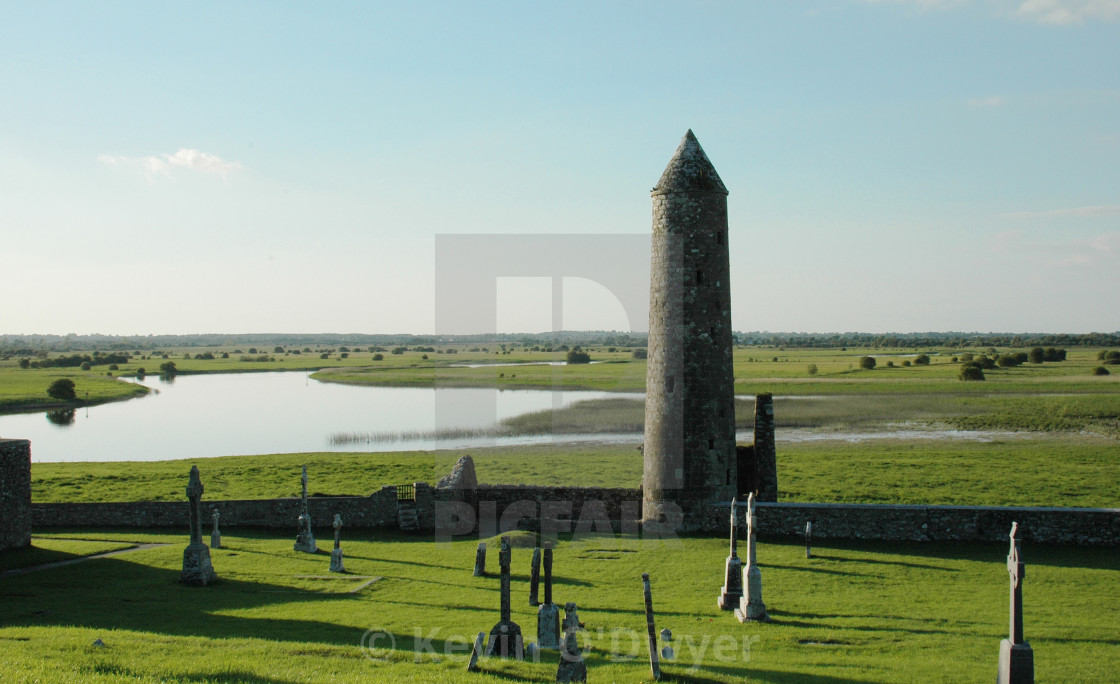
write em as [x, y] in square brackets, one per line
[894, 165]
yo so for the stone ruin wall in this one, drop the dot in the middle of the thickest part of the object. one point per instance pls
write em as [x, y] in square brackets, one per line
[15, 493]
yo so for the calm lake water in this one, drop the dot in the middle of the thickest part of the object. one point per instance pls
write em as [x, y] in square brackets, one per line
[196, 416]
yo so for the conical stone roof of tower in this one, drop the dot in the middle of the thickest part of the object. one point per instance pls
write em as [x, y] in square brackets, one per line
[689, 170]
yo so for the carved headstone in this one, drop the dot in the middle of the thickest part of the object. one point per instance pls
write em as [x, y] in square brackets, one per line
[651, 629]
[197, 570]
[336, 553]
[505, 637]
[1016, 658]
[548, 614]
[480, 560]
[215, 534]
[535, 577]
[732, 590]
[571, 668]
[808, 538]
[305, 540]
[751, 607]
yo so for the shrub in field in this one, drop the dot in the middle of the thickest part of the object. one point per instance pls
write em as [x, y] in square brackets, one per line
[399, 350]
[640, 354]
[1036, 355]
[168, 367]
[966, 357]
[921, 360]
[1008, 360]
[812, 369]
[324, 355]
[970, 371]
[867, 362]
[1101, 354]
[113, 367]
[1112, 358]
[575, 357]
[378, 357]
[890, 364]
[906, 363]
[984, 362]
[26, 363]
[85, 365]
[62, 389]
[1100, 370]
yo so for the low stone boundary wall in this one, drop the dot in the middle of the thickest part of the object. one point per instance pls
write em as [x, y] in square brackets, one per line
[489, 510]
[1046, 525]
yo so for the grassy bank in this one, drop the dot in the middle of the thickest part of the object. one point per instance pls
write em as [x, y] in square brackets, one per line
[1029, 470]
[856, 612]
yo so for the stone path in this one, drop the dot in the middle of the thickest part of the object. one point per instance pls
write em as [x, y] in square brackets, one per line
[15, 572]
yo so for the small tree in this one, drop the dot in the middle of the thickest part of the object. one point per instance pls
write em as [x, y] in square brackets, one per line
[378, 357]
[1100, 370]
[640, 354]
[85, 365]
[970, 371]
[1112, 358]
[867, 362]
[62, 389]
[921, 360]
[1036, 355]
[575, 357]
[812, 369]
[26, 363]
[168, 368]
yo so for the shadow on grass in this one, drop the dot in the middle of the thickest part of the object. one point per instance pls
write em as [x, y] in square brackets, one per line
[116, 594]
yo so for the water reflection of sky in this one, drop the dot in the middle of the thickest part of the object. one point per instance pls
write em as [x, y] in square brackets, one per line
[262, 413]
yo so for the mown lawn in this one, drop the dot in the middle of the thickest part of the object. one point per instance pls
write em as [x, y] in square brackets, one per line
[855, 613]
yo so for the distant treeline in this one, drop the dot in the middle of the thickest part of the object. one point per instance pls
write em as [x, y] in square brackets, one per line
[29, 345]
[928, 339]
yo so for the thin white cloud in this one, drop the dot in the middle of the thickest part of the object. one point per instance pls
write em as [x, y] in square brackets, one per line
[164, 164]
[1088, 212]
[1067, 12]
[1077, 252]
[1047, 12]
[993, 101]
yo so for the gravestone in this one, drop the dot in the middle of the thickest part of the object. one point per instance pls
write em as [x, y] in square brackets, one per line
[732, 591]
[472, 665]
[197, 570]
[535, 577]
[548, 614]
[808, 538]
[215, 534]
[571, 667]
[480, 560]
[505, 637]
[1016, 658]
[751, 608]
[305, 540]
[336, 553]
[651, 629]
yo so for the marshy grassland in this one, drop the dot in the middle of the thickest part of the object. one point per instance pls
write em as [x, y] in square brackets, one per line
[856, 612]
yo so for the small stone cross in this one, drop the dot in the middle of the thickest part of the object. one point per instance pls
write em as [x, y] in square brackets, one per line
[337, 525]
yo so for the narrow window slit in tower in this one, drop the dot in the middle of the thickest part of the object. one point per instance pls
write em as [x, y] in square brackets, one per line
[699, 277]
[711, 443]
[712, 332]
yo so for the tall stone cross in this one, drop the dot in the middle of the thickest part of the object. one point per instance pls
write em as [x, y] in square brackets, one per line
[505, 637]
[731, 592]
[548, 614]
[194, 495]
[337, 525]
[197, 570]
[1016, 658]
[751, 606]
[303, 482]
[1017, 571]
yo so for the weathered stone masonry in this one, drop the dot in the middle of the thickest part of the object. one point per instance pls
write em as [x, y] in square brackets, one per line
[15, 493]
[689, 448]
[501, 509]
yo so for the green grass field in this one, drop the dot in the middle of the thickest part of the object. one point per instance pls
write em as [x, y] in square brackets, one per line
[855, 613]
[1028, 470]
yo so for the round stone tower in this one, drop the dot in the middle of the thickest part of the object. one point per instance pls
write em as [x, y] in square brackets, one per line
[689, 447]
